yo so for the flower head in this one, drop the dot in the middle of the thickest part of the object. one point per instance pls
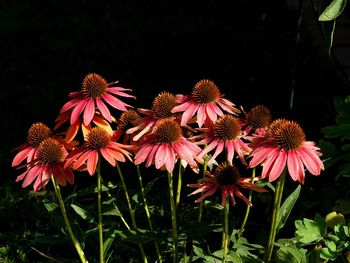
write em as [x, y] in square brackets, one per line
[206, 100]
[97, 142]
[225, 133]
[165, 145]
[48, 161]
[36, 134]
[161, 109]
[226, 177]
[95, 93]
[125, 122]
[285, 144]
[256, 120]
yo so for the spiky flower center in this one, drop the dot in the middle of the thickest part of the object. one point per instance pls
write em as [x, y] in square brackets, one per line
[94, 86]
[226, 174]
[226, 128]
[167, 131]
[259, 117]
[126, 120]
[288, 135]
[50, 152]
[37, 133]
[162, 105]
[205, 91]
[97, 138]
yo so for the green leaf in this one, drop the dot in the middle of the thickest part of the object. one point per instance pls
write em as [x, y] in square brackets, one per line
[217, 256]
[326, 253]
[50, 206]
[290, 254]
[333, 10]
[287, 207]
[341, 130]
[310, 231]
[137, 236]
[197, 229]
[82, 213]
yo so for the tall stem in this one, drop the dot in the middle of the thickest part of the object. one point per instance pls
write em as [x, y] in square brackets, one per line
[201, 204]
[99, 210]
[132, 214]
[225, 239]
[147, 211]
[173, 216]
[247, 208]
[275, 215]
[66, 221]
[179, 185]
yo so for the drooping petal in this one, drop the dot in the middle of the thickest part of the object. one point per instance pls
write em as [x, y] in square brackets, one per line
[219, 149]
[92, 162]
[170, 161]
[295, 167]
[78, 109]
[211, 112]
[70, 104]
[80, 160]
[151, 155]
[19, 158]
[107, 156]
[278, 166]
[188, 114]
[160, 156]
[181, 107]
[142, 154]
[311, 161]
[103, 109]
[115, 103]
[31, 175]
[201, 115]
[268, 164]
[89, 111]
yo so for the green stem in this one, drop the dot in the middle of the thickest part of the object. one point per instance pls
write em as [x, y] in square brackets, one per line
[247, 208]
[99, 209]
[132, 214]
[173, 216]
[179, 185]
[201, 204]
[66, 221]
[147, 211]
[275, 215]
[225, 240]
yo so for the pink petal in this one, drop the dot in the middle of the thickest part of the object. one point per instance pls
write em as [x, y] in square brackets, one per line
[92, 162]
[170, 161]
[116, 103]
[311, 161]
[81, 160]
[160, 156]
[268, 163]
[116, 154]
[89, 111]
[217, 110]
[210, 192]
[151, 155]
[201, 115]
[295, 166]
[107, 156]
[31, 175]
[219, 149]
[103, 109]
[230, 151]
[119, 91]
[259, 156]
[78, 109]
[207, 149]
[19, 158]
[278, 166]
[211, 112]
[142, 154]
[70, 104]
[188, 114]
[181, 107]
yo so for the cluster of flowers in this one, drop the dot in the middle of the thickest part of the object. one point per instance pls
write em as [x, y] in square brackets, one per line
[177, 128]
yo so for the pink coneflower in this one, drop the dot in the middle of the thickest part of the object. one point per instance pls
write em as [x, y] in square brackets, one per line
[98, 141]
[227, 178]
[284, 144]
[36, 134]
[48, 161]
[161, 109]
[165, 145]
[256, 120]
[94, 93]
[206, 100]
[225, 133]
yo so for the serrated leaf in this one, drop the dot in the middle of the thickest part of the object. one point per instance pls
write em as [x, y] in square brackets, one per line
[287, 207]
[310, 231]
[333, 10]
[290, 254]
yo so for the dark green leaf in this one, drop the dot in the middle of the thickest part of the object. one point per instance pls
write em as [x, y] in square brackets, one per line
[287, 207]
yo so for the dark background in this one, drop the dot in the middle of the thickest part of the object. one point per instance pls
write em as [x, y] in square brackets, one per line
[250, 49]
